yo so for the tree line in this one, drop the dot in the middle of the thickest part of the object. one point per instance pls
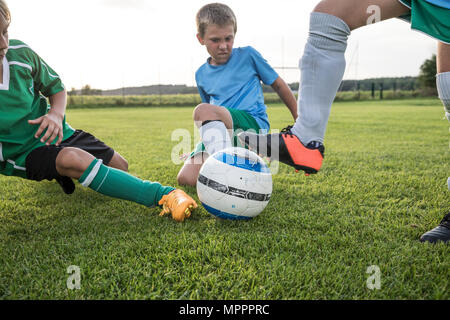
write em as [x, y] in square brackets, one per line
[425, 82]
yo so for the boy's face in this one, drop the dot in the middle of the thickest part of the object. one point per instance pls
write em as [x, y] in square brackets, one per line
[4, 38]
[218, 42]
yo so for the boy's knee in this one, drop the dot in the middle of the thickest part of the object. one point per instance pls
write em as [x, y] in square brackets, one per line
[200, 111]
[66, 157]
[73, 158]
[205, 111]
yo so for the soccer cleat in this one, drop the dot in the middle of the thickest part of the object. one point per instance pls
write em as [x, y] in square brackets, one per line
[286, 148]
[178, 203]
[440, 233]
[66, 184]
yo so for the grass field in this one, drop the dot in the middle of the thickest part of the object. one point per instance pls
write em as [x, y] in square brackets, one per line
[382, 185]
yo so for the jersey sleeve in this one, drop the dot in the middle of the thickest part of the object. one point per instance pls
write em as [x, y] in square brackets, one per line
[203, 95]
[46, 80]
[266, 73]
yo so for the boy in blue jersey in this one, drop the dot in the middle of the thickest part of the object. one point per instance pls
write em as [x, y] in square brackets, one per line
[229, 84]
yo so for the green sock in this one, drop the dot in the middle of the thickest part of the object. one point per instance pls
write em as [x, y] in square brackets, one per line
[120, 184]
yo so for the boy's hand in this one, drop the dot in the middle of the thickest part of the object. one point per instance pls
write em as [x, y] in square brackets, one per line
[52, 121]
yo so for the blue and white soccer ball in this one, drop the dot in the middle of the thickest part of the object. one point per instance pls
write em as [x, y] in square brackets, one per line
[235, 184]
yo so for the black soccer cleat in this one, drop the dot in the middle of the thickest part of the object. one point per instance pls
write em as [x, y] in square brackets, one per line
[440, 233]
[66, 184]
[286, 148]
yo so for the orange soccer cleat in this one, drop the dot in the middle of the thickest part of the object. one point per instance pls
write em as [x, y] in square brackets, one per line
[177, 203]
[287, 148]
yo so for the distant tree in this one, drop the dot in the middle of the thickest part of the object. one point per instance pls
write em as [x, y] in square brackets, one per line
[72, 92]
[87, 90]
[427, 75]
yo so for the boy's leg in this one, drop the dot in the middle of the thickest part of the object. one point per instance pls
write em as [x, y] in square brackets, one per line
[234, 121]
[97, 148]
[214, 124]
[442, 231]
[188, 174]
[322, 68]
[50, 162]
[357, 13]
[92, 173]
[323, 62]
[118, 162]
[443, 76]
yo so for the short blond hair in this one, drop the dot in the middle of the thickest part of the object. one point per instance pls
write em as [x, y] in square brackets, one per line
[215, 13]
[4, 11]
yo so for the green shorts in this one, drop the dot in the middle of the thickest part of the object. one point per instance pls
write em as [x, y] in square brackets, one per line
[429, 19]
[242, 121]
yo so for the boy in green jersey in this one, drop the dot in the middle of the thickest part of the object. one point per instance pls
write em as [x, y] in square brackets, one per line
[37, 143]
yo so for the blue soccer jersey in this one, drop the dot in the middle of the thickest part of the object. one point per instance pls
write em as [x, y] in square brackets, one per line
[440, 3]
[237, 83]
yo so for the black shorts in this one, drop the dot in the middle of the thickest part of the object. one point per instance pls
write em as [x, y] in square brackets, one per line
[41, 162]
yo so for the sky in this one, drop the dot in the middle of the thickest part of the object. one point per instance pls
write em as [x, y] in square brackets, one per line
[110, 44]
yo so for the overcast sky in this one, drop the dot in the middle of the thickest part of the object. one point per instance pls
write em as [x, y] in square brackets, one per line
[113, 43]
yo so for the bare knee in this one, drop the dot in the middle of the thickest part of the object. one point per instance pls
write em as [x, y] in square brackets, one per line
[69, 158]
[202, 112]
[206, 111]
[72, 162]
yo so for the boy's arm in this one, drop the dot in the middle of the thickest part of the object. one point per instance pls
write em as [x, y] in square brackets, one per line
[53, 120]
[286, 95]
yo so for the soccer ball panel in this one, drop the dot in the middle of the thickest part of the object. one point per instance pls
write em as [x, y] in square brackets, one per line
[234, 183]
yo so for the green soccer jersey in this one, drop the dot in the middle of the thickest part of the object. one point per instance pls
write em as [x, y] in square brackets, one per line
[27, 81]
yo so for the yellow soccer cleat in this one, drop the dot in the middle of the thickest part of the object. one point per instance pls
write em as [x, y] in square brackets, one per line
[178, 203]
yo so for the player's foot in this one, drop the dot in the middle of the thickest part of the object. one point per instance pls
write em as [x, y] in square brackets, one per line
[177, 203]
[440, 233]
[66, 184]
[291, 150]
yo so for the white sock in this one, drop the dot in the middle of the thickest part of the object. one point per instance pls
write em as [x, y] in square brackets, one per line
[322, 67]
[215, 136]
[443, 87]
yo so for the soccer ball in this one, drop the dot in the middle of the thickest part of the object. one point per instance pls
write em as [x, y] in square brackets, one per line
[235, 184]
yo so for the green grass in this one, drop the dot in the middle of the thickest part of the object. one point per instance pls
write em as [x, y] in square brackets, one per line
[382, 185]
